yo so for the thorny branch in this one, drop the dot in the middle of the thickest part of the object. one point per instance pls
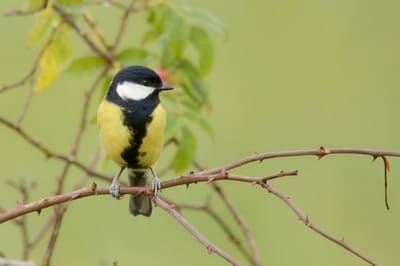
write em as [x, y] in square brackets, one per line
[188, 226]
[255, 257]
[222, 175]
[207, 208]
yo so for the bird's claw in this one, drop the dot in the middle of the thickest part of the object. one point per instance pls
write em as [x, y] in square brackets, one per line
[155, 185]
[114, 189]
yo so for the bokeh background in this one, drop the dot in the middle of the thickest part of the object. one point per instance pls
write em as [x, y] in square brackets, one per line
[288, 75]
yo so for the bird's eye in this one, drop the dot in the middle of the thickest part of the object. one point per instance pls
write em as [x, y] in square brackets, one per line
[145, 82]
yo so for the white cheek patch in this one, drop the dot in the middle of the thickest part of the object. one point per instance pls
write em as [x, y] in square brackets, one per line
[133, 91]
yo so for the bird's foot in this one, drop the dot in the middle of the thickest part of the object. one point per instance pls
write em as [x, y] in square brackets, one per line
[114, 189]
[155, 185]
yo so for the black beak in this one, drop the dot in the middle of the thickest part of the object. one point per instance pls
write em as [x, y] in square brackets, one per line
[166, 87]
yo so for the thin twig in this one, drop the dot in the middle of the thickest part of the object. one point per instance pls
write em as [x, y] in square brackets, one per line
[255, 257]
[26, 104]
[93, 25]
[59, 212]
[71, 22]
[306, 220]
[38, 205]
[218, 219]
[10, 262]
[22, 12]
[190, 228]
[22, 188]
[319, 153]
[122, 26]
[41, 233]
[34, 66]
[50, 153]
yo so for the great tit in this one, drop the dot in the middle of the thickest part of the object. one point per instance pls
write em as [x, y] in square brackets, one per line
[131, 121]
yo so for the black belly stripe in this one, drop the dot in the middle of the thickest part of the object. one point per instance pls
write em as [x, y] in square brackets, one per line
[131, 154]
[137, 116]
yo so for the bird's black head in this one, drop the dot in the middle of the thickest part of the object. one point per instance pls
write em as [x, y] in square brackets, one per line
[139, 75]
[136, 83]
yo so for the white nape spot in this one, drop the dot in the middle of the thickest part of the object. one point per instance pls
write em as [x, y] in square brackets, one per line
[133, 91]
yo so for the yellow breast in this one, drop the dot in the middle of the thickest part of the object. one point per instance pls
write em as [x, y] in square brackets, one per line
[152, 144]
[116, 136]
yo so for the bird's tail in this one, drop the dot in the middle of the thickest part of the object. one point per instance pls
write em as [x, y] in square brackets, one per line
[139, 204]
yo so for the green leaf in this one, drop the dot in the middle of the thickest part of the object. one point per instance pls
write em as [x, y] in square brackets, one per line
[185, 153]
[85, 64]
[131, 56]
[34, 4]
[177, 35]
[43, 22]
[157, 18]
[191, 82]
[62, 42]
[202, 42]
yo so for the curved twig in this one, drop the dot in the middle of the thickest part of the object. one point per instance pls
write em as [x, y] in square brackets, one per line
[191, 229]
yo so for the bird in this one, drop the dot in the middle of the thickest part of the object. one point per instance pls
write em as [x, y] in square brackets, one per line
[131, 122]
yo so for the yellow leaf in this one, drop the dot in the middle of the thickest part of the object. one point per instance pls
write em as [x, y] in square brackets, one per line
[49, 69]
[54, 57]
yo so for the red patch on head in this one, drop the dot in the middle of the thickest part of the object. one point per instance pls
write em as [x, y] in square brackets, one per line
[163, 73]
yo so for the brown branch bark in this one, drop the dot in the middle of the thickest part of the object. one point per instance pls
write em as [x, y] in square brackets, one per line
[22, 12]
[49, 153]
[206, 207]
[192, 230]
[306, 220]
[319, 153]
[255, 257]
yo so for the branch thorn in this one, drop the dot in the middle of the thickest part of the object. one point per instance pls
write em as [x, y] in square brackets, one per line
[386, 166]
[322, 152]
[93, 186]
[224, 173]
[209, 249]
[307, 221]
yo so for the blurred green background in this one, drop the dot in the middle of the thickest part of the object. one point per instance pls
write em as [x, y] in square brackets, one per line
[289, 75]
